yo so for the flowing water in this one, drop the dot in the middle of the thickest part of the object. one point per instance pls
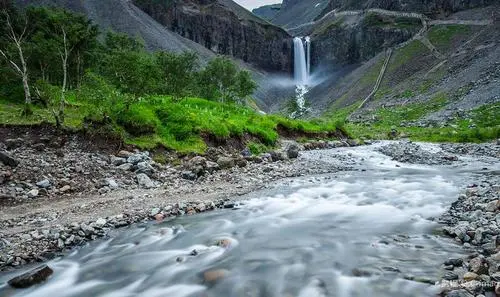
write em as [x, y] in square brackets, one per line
[300, 62]
[356, 233]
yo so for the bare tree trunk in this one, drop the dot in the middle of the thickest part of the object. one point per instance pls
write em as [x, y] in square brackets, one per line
[64, 59]
[21, 70]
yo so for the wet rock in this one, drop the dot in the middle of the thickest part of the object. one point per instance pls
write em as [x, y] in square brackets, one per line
[212, 276]
[459, 293]
[450, 276]
[478, 266]
[454, 261]
[8, 160]
[225, 162]
[229, 205]
[360, 272]
[225, 243]
[469, 276]
[144, 181]
[159, 217]
[31, 278]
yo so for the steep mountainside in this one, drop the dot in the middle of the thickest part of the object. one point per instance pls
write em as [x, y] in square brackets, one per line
[296, 12]
[123, 16]
[267, 12]
[226, 28]
[429, 7]
[438, 79]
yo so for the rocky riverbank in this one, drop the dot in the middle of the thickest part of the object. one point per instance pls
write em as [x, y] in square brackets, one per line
[56, 194]
[473, 220]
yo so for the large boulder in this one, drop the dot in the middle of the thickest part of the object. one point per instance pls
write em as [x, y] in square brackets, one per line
[13, 143]
[292, 151]
[144, 181]
[8, 160]
[31, 278]
[225, 162]
[197, 165]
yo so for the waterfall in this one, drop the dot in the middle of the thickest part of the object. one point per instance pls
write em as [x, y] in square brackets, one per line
[302, 70]
[300, 64]
[308, 57]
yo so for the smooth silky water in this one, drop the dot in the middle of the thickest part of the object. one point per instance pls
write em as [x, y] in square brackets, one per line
[303, 237]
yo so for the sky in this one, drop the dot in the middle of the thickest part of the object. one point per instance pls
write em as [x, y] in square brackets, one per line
[251, 4]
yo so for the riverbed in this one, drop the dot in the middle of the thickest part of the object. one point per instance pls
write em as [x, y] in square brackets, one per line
[369, 231]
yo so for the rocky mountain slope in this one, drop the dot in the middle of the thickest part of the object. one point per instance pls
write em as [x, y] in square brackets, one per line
[267, 12]
[431, 8]
[296, 12]
[449, 67]
[226, 28]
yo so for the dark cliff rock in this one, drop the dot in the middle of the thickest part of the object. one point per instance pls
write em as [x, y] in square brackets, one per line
[225, 28]
[429, 7]
[352, 41]
[267, 12]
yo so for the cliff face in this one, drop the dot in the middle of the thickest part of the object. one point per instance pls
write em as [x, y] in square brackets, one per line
[354, 44]
[225, 28]
[354, 39]
[429, 7]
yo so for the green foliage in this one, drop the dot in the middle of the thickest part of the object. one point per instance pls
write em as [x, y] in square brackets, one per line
[127, 65]
[179, 72]
[257, 148]
[376, 20]
[222, 81]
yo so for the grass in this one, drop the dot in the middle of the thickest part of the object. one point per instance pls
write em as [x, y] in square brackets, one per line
[181, 126]
[405, 54]
[483, 123]
[442, 36]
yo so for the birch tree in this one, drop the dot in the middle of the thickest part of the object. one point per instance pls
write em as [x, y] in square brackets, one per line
[17, 60]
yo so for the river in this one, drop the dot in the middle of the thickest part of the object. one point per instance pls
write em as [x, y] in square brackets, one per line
[362, 232]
